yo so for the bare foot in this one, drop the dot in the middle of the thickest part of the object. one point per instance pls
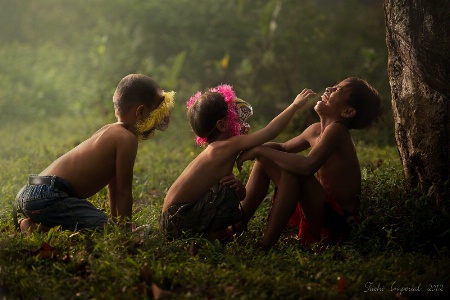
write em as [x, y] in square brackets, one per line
[239, 228]
[27, 226]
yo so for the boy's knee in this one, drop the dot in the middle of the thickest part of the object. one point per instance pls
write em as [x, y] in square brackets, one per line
[261, 161]
[266, 163]
[292, 176]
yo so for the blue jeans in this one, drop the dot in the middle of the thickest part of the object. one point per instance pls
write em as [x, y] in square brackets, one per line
[53, 207]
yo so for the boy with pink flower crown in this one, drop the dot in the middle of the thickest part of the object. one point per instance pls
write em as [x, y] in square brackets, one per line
[205, 198]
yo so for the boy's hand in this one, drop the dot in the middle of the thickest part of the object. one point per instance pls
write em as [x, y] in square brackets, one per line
[249, 154]
[231, 181]
[302, 98]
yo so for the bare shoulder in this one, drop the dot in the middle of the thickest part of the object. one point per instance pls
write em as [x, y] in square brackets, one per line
[116, 132]
[224, 148]
[337, 128]
[114, 137]
[312, 131]
[115, 128]
[337, 133]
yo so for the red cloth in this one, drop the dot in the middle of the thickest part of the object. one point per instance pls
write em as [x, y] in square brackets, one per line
[336, 223]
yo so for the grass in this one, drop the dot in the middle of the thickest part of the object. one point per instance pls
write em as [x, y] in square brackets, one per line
[402, 243]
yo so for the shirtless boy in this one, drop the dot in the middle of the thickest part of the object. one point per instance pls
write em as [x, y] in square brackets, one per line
[326, 201]
[205, 198]
[57, 196]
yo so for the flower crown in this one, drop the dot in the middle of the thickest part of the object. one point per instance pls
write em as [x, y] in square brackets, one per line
[233, 125]
[157, 116]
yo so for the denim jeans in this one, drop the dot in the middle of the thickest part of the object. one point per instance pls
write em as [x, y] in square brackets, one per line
[51, 207]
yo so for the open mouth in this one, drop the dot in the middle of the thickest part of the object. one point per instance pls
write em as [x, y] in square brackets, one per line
[324, 98]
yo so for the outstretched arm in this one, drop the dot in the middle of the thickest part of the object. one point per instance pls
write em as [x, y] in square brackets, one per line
[275, 126]
[294, 145]
[298, 164]
[290, 162]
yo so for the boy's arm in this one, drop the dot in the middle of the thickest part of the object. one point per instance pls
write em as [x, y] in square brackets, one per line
[298, 164]
[296, 144]
[274, 145]
[301, 141]
[120, 187]
[275, 126]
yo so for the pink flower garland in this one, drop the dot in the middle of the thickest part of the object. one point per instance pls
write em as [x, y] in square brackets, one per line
[233, 124]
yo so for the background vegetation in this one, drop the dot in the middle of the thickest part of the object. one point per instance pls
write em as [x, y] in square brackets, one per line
[59, 64]
[67, 56]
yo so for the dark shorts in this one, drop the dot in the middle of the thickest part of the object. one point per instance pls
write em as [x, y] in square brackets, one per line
[49, 200]
[215, 211]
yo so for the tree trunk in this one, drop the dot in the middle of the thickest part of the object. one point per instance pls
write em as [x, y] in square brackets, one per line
[418, 42]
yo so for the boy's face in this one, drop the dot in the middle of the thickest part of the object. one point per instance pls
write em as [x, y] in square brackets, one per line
[334, 100]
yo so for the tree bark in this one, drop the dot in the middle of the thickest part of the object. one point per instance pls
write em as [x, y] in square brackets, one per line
[418, 42]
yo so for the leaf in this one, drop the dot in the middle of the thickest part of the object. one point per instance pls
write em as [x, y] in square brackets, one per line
[225, 61]
[46, 251]
[341, 285]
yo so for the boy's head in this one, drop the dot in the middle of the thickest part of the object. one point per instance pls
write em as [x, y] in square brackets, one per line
[365, 100]
[206, 114]
[353, 100]
[142, 98]
[217, 111]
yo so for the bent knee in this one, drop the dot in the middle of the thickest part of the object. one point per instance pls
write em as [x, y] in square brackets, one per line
[286, 175]
[264, 162]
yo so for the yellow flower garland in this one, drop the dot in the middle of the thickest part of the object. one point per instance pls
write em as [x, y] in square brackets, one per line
[156, 116]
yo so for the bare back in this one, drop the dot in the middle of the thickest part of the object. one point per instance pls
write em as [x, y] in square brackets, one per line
[211, 165]
[340, 174]
[91, 165]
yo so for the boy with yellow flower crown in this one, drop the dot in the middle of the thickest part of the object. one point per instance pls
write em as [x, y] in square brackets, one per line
[57, 196]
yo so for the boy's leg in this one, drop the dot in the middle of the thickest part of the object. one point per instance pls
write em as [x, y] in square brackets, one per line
[292, 189]
[70, 213]
[258, 185]
[80, 214]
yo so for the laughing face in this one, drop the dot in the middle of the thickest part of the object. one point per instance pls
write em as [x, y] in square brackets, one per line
[334, 99]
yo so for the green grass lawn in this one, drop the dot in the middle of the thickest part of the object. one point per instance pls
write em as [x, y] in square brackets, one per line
[401, 244]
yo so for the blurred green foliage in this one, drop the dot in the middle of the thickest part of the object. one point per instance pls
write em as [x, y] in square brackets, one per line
[66, 57]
